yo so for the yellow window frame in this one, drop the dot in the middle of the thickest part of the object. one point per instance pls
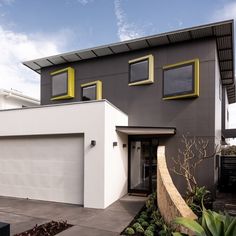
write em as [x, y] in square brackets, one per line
[98, 84]
[150, 79]
[70, 83]
[195, 93]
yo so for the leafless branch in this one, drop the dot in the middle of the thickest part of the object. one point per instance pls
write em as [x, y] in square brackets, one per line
[194, 152]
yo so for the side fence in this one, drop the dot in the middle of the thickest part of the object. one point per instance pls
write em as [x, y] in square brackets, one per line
[227, 174]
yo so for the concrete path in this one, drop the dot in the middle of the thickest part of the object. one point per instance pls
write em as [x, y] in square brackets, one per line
[24, 214]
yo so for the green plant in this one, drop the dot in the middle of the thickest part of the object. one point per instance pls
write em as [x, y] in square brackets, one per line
[140, 220]
[144, 213]
[166, 231]
[178, 234]
[151, 227]
[145, 217]
[145, 224]
[211, 224]
[136, 225]
[148, 232]
[151, 203]
[157, 219]
[129, 231]
[139, 229]
[152, 221]
[149, 221]
[199, 196]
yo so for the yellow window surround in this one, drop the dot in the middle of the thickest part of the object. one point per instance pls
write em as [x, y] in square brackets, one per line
[70, 83]
[150, 79]
[98, 84]
[195, 93]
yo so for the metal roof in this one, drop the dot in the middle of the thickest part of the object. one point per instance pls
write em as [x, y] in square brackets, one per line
[222, 31]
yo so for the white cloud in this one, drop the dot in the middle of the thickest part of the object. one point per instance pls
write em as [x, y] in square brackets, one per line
[126, 30]
[84, 2]
[6, 2]
[18, 47]
[228, 11]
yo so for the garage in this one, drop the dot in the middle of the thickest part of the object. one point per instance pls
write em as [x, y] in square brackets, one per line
[45, 167]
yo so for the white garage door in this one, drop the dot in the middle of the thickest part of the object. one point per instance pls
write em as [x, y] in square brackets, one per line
[45, 168]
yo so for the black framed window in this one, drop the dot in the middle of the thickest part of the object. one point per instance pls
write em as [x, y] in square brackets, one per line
[138, 71]
[59, 84]
[89, 93]
[141, 70]
[181, 80]
[63, 84]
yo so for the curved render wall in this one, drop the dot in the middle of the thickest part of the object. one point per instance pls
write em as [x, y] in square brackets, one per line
[170, 202]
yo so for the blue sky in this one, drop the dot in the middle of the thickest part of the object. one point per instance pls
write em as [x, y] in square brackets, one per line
[32, 29]
[87, 23]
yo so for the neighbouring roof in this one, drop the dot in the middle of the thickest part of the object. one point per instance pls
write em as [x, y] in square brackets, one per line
[140, 130]
[223, 32]
[18, 95]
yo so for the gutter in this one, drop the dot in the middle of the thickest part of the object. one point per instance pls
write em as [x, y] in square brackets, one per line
[9, 94]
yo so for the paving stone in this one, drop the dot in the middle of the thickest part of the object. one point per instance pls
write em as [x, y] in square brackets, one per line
[20, 223]
[78, 230]
[109, 220]
[24, 214]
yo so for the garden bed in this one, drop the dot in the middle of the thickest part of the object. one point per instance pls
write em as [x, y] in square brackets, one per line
[48, 229]
[148, 221]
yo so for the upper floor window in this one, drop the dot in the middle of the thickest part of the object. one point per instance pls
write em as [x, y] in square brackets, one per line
[141, 70]
[63, 84]
[181, 80]
[91, 91]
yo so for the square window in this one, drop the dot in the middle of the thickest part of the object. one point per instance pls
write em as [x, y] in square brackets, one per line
[91, 91]
[63, 84]
[60, 84]
[181, 80]
[141, 70]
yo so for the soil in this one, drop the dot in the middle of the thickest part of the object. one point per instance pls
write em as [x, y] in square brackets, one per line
[48, 229]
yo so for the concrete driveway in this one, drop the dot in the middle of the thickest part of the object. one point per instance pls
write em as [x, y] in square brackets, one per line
[24, 214]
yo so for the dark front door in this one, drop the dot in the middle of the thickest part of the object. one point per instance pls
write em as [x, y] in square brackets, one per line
[142, 164]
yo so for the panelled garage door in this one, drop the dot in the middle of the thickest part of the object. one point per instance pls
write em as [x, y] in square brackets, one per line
[44, 167]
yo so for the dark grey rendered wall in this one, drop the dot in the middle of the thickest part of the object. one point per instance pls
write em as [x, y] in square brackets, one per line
[144, 104]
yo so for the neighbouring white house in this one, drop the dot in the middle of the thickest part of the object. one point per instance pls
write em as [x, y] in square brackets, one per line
[10, 99]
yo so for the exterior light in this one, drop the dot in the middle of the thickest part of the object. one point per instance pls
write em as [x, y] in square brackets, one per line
[93, 143]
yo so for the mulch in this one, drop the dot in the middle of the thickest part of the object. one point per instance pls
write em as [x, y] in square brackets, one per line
[48, 229]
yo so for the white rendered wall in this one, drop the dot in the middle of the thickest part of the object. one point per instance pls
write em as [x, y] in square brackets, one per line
[87, 118]
[116, 158]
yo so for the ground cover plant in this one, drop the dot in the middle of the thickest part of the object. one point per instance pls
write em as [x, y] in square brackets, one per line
[148, 221]
[48, 229]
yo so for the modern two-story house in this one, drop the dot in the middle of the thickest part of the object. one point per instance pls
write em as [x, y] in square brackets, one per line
[105, 110]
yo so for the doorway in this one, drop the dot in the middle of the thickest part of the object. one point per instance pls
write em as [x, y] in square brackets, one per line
[142, 164]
